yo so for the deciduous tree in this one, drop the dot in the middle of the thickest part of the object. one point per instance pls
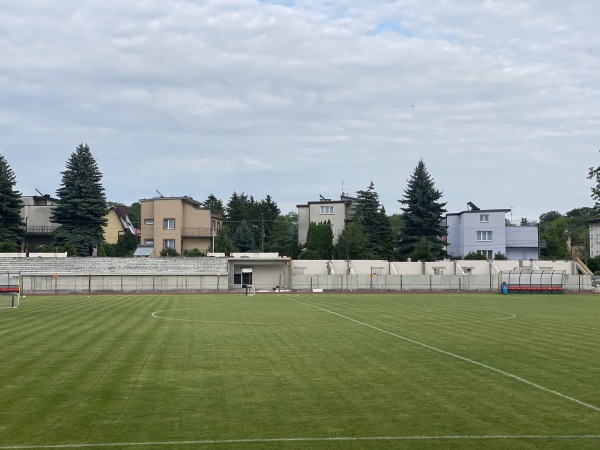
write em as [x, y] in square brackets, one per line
[555, 235]
[352, 243]
[594, 174]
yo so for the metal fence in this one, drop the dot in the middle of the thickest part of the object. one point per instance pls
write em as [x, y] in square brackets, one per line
[420, 283]
[122, 283]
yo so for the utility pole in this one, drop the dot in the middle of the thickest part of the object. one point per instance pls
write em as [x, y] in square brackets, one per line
[262, 232]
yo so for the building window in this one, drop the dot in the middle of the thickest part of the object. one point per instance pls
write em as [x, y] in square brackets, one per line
[149, 241]
[169, 243]
[486, 253]
[332, 226]
[326, 209]
[484, 218]
[149, 221]
[242, 278]
[169, 224]
[484, 235]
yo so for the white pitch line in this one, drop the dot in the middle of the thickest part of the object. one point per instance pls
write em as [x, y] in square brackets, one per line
[156, 316]
[312, 439]
[454, 355]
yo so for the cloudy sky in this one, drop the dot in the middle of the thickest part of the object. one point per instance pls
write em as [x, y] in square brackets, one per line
[501, 99]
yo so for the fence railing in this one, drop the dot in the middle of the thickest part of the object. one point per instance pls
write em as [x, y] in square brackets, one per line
[41, 230]
[196, 232]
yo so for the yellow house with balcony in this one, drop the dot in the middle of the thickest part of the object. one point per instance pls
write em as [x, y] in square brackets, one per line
[178, 223]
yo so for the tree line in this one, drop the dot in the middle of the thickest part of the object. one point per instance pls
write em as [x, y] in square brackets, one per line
[417, 233]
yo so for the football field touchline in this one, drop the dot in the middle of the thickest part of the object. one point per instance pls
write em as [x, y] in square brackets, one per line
[454, 355]
[310, 439]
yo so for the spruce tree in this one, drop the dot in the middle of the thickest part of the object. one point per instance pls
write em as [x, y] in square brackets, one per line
[81, 207]
[422, 214]
[243, 238]
[223, 243]
[11, 224]
[268, 212]
[284, 236]
[370, 214]
[237, 210]
[213, 204]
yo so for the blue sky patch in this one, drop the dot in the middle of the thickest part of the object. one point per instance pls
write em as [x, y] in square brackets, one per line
[393, 27]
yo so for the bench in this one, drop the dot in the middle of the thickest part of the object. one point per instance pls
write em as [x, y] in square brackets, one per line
[9, 288]
[533, 288]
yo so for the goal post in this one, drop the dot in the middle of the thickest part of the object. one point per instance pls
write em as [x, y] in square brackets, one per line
[10, 290]
[250, 291]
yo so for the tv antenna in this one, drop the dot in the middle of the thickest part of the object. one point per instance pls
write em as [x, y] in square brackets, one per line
[160, 193]
[343, 190]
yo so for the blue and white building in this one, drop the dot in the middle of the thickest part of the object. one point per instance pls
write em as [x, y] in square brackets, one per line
[487, 232]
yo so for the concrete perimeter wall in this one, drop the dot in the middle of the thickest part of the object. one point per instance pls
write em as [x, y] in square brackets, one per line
[133, 275]
[134, 283]
[122, 283]
[430, 283]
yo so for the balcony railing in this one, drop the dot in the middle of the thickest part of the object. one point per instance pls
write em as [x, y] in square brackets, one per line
[41, 230]
[196, 232]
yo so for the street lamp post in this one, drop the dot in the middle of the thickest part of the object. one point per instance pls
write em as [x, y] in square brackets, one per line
[262, 232]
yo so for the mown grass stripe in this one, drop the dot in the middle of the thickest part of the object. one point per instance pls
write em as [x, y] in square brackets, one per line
[309, 439]
[471, 361]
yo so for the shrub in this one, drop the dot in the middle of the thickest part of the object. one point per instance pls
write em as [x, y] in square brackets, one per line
[475, 256]
[9, 247]
[169, 252]
[194, 253]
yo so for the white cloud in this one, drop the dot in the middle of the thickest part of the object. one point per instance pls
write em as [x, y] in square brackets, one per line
[500, 98]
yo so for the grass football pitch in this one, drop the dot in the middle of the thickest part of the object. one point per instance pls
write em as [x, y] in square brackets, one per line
[301, 371]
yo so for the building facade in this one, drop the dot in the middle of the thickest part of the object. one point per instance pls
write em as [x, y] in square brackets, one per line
[337, 212]
[36, 213]
[594, 233]
[178, 223]
[486, 232]
[117, 223]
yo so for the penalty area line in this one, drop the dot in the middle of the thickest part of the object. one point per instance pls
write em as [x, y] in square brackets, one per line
[310, 439]
[454, 355]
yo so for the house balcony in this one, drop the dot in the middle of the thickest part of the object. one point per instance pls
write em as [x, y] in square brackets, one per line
[41, 230]
[196, 232]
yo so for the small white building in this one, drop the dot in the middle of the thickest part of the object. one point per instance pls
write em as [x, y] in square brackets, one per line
[594, 232]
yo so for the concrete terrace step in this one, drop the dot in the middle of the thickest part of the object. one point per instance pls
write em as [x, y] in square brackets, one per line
[113, 265]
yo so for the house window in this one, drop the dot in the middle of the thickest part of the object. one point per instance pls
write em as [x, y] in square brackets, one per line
[169, 224]
[486, 253]
[149, 221]
[484, 235]
[326, 209]
[169, 243]
[484, 218]
[332, 226]
[149, 241]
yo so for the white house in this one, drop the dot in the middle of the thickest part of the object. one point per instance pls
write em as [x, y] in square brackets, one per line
[594, 232]
[485, 231]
